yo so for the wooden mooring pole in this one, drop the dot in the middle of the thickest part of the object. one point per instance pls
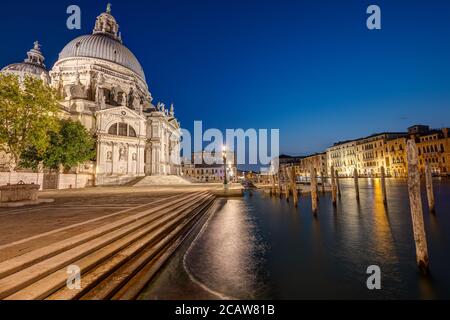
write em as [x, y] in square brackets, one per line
[314, 196]
[337, 183]
[383, 185]
[294, 190]
[356, 178]
[272, 184]
[280, 188]
[286, 183]
[415, 201]
[333, 187]
[430, 192]
[322, 178]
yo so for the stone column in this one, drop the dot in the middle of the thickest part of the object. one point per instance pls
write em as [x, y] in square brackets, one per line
[115, 157]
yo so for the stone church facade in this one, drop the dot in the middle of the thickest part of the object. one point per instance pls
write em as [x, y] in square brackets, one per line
[103, 86]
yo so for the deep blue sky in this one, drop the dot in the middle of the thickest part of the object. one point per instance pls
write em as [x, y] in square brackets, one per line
[310, 68]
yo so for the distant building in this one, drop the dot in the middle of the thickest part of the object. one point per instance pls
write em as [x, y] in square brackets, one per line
[317, 161]
[207, 167]
[342, 157]
[418, 129]
[372, 154]
[434, 149]
[386, 150]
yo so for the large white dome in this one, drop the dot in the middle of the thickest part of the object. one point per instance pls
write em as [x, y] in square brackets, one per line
[104, 43]
[102, 46]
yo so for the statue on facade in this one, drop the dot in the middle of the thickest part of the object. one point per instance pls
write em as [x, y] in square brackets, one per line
[102, 102]
[161, 107]
[76, 90]
[131, 98]
[122, 154]
[99, 95]
[115, 95]
[100, 79]
[123, 99]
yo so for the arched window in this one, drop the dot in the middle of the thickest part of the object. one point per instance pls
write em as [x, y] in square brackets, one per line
[132, 132]
[123, 130]
[113, 130]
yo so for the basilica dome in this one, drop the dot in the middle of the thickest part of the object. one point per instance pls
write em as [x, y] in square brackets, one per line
[105, 43]
[33, 65]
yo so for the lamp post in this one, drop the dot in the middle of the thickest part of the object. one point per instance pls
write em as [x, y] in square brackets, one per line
[224, 154]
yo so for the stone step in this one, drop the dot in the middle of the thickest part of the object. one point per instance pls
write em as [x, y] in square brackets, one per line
[106, 259]
[132, 288]
[37, 271]
[21, 262]
[162, 181]
[96, 275]
[19, 243]
[109, 286]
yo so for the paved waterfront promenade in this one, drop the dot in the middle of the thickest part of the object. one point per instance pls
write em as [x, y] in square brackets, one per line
[77, 211]
[124, 233]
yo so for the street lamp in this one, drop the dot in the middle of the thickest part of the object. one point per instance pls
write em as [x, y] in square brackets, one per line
[224, 154]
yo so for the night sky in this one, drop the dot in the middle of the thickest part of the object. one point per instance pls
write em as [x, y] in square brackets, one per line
[309, 68]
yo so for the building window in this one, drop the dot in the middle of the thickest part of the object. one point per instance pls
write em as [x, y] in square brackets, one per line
[122, 129]
[132, 132]
[113, 130]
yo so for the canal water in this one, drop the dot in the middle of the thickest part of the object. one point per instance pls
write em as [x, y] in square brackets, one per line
[260, 247]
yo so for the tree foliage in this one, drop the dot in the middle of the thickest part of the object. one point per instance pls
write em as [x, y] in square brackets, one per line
[28, 115]
[68, 147]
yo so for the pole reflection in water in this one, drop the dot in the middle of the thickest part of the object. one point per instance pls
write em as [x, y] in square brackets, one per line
[262, 247]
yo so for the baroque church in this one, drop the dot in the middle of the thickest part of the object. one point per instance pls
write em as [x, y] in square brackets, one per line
[103, 86]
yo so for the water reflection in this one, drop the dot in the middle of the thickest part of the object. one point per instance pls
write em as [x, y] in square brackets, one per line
[263, 247]
[226, 258]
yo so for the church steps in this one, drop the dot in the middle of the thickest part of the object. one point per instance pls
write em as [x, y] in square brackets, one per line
[119, 278]
[132, 288]
[100, 263]
[31, 274]
[167, 180]
[20, 262]
[134, 210]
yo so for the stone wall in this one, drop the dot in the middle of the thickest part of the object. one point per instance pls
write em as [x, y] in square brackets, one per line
[63, 181]
[75, 181]
[16, 177]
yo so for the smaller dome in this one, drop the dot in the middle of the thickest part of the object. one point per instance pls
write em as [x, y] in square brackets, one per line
[33, 65]
[25, 67]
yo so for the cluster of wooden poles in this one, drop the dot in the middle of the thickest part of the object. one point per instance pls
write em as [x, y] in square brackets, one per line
[285, 182]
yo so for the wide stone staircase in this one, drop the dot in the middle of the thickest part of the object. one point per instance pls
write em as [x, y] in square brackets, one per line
[117, 260]
[169, 180]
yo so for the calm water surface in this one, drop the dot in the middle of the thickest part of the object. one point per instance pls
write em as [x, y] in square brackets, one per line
[263, 248]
